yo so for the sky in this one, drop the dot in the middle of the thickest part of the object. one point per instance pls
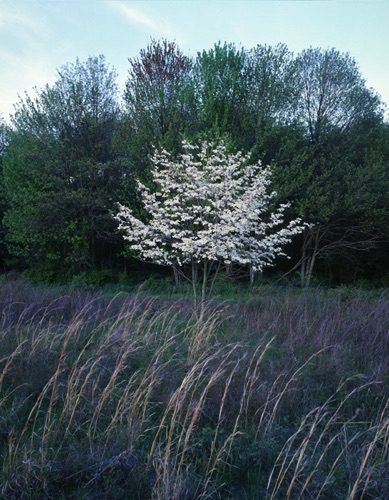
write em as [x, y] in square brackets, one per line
[37, 37]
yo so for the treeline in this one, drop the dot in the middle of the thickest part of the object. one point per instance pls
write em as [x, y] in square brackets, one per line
[76, 148]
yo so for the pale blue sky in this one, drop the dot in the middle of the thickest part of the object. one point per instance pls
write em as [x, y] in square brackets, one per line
[38, 36]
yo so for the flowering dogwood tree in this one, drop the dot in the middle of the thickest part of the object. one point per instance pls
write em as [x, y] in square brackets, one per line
[209, 208]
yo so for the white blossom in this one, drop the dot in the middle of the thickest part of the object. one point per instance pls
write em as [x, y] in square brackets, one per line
[208, 206]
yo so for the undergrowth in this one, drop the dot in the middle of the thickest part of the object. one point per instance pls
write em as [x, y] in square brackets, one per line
[284, 395]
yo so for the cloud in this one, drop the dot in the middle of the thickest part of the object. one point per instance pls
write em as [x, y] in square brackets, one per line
[136, 16]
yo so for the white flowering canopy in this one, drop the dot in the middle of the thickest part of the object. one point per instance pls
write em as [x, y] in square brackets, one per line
[209, 206]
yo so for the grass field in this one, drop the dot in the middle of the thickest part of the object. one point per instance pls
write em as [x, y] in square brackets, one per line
[280, 394]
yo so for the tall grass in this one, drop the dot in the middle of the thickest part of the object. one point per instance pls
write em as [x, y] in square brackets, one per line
[285, 396]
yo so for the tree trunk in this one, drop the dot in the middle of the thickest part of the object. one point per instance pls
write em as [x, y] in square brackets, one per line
[252, 275]
[310, 251]
[177, 275]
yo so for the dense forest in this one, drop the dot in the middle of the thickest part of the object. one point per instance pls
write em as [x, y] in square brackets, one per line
[75, 149]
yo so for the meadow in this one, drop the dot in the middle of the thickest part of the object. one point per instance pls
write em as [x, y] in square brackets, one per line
[279, 393]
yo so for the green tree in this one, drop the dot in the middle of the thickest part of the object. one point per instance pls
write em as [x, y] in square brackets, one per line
[220, 78]
[341, 191]
[158, 103]
[334, 104]
[60, 172]
[272, 88]
[333, 93]
[4, 140]
[3, 137]
[335, 111]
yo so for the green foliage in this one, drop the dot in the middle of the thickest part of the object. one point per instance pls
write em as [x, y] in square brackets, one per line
[4, 141]
[61, 175]
[72, 153]
[159, 103]
[340, 186]
[92, 280]
[272, 93]
[334, 96]
[221, 93]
